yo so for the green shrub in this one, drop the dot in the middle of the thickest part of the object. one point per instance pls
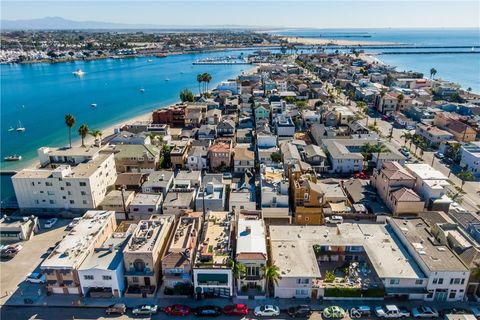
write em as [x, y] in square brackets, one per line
[329, 276]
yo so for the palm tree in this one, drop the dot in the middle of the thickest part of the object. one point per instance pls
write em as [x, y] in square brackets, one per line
[433, 72]
[70, 122]
[271, 273]
[466, 176]
[406, 136]
[207, 77]
[239, 270]
[380, 148]
[199, 80]
[97, 134]
[83, 131]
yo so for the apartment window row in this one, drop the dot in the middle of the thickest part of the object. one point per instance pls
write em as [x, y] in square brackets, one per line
[457, 281]
[91, 277]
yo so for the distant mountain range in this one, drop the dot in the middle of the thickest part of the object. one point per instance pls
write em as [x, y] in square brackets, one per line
[58, 23]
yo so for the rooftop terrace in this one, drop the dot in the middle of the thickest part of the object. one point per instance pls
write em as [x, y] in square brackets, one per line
[215, 244]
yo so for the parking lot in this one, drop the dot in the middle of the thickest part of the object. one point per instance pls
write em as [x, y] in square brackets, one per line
[14, 271]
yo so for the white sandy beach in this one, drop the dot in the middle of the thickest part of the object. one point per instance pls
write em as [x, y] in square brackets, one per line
[324, 42]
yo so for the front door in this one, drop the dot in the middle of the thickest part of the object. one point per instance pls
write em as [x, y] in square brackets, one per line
[440, 295]
[147, 281]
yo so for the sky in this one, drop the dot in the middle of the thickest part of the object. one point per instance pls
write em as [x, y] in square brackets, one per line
[312, 14]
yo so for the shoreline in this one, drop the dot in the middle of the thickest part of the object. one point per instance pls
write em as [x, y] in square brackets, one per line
[335, 42]
[110, 129]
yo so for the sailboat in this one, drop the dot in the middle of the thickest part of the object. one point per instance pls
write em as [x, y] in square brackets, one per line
[20, 128]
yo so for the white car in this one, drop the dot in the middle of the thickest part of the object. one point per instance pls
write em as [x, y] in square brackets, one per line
[36, 277]
[267, 311]
[148, 309]
[50, 223]
[391, 311]
[334, 219]
[424, 312]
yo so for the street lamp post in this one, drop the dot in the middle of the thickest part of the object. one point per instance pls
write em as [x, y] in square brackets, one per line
[122, 190]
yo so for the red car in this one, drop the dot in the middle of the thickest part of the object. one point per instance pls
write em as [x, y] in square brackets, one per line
[177, 310]
[235, 310]
[361, 175]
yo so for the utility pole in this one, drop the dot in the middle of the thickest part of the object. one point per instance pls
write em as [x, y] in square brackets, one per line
[122, 190]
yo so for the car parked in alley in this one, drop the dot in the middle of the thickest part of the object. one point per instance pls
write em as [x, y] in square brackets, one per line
[301, 311]
[391, 311]
[35, 277]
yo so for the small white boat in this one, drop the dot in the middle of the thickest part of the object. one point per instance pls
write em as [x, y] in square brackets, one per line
[142, 90]
[149, 60]
[11, 129]
[79, 73]
[93, 105]
[166, 79]
[13, 157]
[20, 128]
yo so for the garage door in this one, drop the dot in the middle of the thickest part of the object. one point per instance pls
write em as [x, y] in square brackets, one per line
[73, 290]
[57, 290]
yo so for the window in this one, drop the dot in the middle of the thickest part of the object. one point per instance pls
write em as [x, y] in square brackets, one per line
[85, 201]
[52, 201]
[37, 202]
[440, 281]
[394, 281]
[107, 277]
[135, 280]
[33, 184]
[303, 281]
[50, 193]
[88, 277]
[420, 281]
[83, 193]
[48, 184]
[72, 201]
[83, 184]
[301, 292]
[150, 209]
[68, 184]
[452, 294]
[455, 281]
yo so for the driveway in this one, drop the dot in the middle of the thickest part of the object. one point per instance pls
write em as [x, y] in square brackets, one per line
[14, 271]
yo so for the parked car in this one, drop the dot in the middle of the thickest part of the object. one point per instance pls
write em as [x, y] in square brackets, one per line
[208, 311]
[267, 311]
[235, 309]
[117, 308]
[334, 219]
[361, 311]
[447, 161]
[10, 251]
[391, 311]
[177, 310]
[425, 312]
[227, 175]
[361, 175]
[439, 155]
[405, 152]
[301, 311]
[36, 277]
[335, 312]
[145, 309]
[50, 223]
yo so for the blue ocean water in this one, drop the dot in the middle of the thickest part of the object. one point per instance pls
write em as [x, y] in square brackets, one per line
[463, 69]
[39, 95]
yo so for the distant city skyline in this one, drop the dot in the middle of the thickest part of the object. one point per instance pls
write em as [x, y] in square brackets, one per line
[268, 14]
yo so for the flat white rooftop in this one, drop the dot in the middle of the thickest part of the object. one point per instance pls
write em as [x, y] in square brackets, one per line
[292, 248]
[425, 171]
[251, 237]
[73, 249]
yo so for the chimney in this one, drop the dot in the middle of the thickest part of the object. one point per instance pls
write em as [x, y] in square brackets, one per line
[162, 177]
[248, 229]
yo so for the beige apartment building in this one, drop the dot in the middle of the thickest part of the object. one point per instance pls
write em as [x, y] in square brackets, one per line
[143, 254]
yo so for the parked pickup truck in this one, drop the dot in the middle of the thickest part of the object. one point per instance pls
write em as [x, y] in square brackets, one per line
[391, 311]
